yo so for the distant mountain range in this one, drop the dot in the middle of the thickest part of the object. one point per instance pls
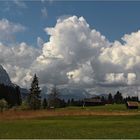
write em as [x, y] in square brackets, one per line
[71, 92]
[75, 93]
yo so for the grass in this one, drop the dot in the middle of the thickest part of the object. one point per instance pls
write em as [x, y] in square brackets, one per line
[72, 122]
[107, 107]
[73, 127]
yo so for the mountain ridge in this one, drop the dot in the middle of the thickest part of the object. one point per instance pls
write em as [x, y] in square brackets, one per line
[4, 77]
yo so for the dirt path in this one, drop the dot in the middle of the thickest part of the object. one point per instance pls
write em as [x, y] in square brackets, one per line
[14, 115]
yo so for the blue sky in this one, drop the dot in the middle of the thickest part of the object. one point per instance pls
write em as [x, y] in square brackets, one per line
[112, 19]
[76, 54]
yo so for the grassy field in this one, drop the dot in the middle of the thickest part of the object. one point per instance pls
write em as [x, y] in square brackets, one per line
[107, 107]
[67, 123]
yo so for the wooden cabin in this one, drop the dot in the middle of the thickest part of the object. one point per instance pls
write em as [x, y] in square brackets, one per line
[132, 104]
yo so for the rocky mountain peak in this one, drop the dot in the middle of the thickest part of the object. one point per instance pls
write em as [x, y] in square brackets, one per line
[4, 77]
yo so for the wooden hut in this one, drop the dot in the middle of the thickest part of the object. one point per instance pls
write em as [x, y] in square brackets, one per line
[132, 104]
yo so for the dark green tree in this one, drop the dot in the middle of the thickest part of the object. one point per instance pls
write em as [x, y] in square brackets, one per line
[118, 99]
[110, 98]
[11, 94]
[68, 102]
[103, 99]
[44, 103]
[18, 95]
[34, 98]
[72, 102]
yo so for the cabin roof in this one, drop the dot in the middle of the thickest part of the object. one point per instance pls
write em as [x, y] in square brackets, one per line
[132, 103]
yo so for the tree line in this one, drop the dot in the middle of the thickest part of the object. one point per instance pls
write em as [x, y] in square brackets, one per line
[12, 96]
[119, 99]
[53, 100]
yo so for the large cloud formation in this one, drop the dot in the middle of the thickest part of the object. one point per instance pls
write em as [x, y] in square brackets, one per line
[68, 54]
[75, 55]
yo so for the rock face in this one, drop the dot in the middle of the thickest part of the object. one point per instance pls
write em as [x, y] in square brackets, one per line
[4, 77]
[9, 91]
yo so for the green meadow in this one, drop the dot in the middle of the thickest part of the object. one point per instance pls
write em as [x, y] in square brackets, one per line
[75, 127]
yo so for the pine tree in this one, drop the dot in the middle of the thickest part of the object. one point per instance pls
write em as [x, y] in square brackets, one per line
[118, 98]
[44, 104]
[18, 95]
[110, 98]
[34, 99]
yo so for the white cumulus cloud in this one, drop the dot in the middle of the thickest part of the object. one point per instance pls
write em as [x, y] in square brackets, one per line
[71, 46]
[75, 54]
[122, 58]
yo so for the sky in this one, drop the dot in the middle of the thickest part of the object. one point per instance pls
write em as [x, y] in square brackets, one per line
[112, 19]
[86, 44]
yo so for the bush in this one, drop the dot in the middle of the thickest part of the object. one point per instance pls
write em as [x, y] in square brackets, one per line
[3, 105]
[24, 106]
